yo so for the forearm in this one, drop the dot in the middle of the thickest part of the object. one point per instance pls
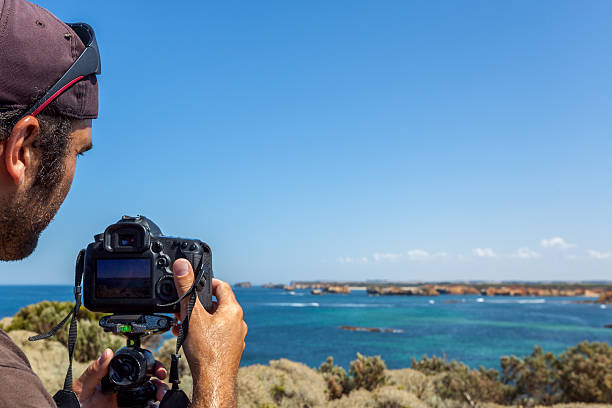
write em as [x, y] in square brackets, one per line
[214, 393]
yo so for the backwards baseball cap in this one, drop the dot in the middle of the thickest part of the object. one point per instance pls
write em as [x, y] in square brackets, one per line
[40, 54]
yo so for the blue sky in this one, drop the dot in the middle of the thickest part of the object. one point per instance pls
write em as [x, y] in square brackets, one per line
[350, 139]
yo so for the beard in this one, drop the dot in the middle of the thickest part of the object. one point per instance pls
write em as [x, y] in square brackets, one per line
[25, 215]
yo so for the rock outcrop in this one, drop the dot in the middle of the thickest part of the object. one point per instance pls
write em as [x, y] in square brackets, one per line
[605, 298]
[338, 289]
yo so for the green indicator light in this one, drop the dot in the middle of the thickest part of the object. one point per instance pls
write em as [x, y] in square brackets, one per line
[125, 329]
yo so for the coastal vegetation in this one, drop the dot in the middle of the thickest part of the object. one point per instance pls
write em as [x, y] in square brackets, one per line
[580, 375]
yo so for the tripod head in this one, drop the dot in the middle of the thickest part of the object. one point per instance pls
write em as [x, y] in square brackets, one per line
[131, 368]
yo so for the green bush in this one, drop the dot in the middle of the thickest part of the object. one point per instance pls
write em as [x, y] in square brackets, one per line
[42, 317]
[534, 378]
[456, 381]
[364, 373]
[586, 372]
[433, 365]
[335, 377]
[367, 372]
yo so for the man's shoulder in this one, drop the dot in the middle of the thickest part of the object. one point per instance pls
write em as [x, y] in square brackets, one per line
[11, 355]
[20, 386]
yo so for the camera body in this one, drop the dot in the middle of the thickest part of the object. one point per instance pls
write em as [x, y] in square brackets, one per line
[128, 268]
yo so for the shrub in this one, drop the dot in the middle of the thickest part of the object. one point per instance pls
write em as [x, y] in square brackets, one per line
[284, 384]
[534, 379]
[433, 365]
[364, 372]
[367, 372]
[410, 380]
[586, 372]
[335, 377]
[456, 381]
[392, 397]
[356, 399]
[42, 317]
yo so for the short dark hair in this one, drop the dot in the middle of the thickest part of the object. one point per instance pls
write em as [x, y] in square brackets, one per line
[54, 139]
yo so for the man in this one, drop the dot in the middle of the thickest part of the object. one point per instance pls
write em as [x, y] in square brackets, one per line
[41, 135]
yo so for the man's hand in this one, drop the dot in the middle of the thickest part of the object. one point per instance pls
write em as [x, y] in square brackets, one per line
[214, 343]
[87, 387]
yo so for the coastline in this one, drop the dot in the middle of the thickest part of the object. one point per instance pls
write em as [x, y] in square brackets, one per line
[601, 292]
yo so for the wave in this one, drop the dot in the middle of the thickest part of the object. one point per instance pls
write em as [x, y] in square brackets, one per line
[328, 305]
[515, 301]
[382, 305]
[287, 304]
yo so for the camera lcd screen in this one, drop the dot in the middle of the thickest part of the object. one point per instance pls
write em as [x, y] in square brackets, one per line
[123, 278]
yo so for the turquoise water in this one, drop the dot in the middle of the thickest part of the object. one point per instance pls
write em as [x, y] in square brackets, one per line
[475, 330]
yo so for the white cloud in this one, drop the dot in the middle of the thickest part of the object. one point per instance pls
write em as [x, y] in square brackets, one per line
[598, 255]
[484, 252]
[417, 254]
[386, 256]
[349, 260]
[440, 255]
[556, 242]
[526, 253]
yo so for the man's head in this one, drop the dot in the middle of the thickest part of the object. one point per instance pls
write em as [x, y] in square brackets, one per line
[48, 96]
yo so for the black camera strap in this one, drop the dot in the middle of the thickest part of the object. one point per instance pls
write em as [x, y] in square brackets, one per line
[175, 397]
[66, 398]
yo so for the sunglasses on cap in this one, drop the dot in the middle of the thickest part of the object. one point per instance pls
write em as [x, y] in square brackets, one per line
[87, 64]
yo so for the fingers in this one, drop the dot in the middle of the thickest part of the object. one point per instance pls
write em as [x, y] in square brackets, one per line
[223, 292]
[160, 371]
[183, 280]
[245, 330]
[161, 387]
[89, 380]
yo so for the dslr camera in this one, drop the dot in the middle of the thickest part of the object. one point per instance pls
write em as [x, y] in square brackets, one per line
[128, 269]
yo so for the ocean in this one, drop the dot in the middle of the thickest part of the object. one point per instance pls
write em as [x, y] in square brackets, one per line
[472, 329]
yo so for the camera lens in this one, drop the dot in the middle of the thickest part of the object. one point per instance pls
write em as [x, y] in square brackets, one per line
[130, 367]
[125, 369]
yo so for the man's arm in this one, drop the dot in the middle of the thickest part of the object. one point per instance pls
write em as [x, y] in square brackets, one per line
[19, 386]
[215, 342]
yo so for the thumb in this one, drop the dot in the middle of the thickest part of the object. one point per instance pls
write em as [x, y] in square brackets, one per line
[183, 280]
[89, 380]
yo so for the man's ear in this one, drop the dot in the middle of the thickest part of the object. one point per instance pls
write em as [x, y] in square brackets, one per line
[18, 148]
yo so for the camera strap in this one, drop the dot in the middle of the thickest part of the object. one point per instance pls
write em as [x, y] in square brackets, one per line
[66, 398]
[175, 397]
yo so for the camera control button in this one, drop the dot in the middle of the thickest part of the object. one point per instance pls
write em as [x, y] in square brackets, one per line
[193, 247]
[157, 246]
[162, 262]
[184, 245]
